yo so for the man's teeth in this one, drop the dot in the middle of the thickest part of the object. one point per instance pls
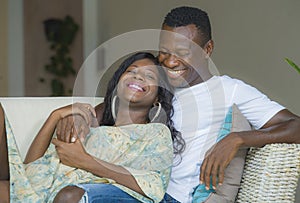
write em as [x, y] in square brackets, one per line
[176, 72]
[136, 87]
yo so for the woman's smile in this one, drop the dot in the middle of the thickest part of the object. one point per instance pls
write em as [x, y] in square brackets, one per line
[136, 87]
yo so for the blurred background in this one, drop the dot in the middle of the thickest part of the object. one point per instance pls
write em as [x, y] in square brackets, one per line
[38, 38]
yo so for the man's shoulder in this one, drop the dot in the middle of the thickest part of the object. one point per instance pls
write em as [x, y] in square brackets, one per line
[227, 78]
[228, 81]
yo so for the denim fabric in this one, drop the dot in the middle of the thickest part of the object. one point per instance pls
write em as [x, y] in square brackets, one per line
[168, 199]
[104, 193]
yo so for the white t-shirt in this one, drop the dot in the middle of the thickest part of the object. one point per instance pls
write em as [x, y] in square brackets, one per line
[199, 113]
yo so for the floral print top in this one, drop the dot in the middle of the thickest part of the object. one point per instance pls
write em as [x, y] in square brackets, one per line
[145, 150]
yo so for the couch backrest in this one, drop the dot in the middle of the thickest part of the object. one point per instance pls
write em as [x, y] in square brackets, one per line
[27, 114]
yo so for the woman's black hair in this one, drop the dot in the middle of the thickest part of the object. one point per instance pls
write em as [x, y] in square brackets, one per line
[165, 97]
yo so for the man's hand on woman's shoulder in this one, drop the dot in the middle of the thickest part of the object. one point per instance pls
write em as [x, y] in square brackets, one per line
[76, 126]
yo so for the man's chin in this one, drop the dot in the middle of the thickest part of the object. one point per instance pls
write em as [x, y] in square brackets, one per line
[178, 83]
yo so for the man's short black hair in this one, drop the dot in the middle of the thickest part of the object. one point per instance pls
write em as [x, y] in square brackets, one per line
[183, 16]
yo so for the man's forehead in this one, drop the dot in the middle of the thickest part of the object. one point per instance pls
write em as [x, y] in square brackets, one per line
[174, 39]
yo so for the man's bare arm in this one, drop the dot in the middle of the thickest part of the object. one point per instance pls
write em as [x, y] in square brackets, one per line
[284, 127]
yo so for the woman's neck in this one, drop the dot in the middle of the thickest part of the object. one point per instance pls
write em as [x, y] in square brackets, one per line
[130, 116]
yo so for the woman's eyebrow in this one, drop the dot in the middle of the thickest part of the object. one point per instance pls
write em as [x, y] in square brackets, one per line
[133, 65]
[152, 71]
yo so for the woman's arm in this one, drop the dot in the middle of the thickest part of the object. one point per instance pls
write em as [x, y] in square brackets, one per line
[147, 175]
[74, 155]
[42, 140]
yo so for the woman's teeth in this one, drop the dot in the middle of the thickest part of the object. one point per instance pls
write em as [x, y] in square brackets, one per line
[134, 86]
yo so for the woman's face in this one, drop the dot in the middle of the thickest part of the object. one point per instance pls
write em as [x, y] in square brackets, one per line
[139, 83]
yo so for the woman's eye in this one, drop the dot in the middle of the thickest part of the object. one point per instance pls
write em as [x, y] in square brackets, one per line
[131, 71]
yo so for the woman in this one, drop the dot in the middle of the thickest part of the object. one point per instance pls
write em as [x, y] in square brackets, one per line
[130, 151]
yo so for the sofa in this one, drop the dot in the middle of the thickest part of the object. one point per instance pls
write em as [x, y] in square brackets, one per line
[271, 173]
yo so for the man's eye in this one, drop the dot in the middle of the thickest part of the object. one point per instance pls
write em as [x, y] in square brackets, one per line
[163, 52]
[183, 53]
[150, 76]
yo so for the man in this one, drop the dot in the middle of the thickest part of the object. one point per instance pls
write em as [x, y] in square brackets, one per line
[201, 102]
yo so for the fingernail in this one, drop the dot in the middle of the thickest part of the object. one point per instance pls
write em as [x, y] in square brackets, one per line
[201, 182]
[214, 187]
[220, 183]
[73, 139]
[207, 188]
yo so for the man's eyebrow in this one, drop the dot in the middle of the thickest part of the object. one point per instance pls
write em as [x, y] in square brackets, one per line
[162, 47]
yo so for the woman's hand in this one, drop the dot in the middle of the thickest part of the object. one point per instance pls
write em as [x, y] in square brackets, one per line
[71, 154]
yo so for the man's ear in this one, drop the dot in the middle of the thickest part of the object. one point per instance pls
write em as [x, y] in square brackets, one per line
[209, 47]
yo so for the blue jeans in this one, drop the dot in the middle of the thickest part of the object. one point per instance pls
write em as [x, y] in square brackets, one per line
[98, 193]
[168, 199]
[104, 193]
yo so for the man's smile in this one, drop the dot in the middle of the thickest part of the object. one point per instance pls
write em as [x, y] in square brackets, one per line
[175, 73]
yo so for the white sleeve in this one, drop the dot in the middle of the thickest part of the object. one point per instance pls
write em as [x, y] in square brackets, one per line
[254, 105]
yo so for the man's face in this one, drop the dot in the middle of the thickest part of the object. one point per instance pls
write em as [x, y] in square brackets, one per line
[181, 54]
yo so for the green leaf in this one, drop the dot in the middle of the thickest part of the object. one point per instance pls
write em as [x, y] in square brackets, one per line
[57, 88]
[42, 80]
[293, 65]
[61, 64]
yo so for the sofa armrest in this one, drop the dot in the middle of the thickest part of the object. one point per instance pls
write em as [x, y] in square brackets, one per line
[271, 174]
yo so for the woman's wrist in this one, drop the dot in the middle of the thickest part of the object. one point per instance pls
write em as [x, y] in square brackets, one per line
[87, 162]
[56, 115]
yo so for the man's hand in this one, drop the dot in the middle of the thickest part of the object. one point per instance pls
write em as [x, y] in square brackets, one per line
[76, 126]
[71, 154]
[72, 127]
[217, 159]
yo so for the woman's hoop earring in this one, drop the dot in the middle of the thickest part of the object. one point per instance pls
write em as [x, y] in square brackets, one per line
[113, 107]
[157, 106]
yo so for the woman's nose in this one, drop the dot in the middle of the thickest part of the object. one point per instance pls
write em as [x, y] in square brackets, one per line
[139, 76]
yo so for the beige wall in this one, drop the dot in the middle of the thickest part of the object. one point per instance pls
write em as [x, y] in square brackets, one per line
[252, 38]
[37, 51]
[3, 48]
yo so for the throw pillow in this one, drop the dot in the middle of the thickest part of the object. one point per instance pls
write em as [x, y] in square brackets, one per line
[234, 122]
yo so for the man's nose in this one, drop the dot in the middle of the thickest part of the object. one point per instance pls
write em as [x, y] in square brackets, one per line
[171, 61]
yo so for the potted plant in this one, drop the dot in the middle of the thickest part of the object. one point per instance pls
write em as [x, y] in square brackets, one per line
[60, 34]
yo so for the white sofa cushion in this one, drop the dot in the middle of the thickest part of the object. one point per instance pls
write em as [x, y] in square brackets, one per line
[27, 114]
